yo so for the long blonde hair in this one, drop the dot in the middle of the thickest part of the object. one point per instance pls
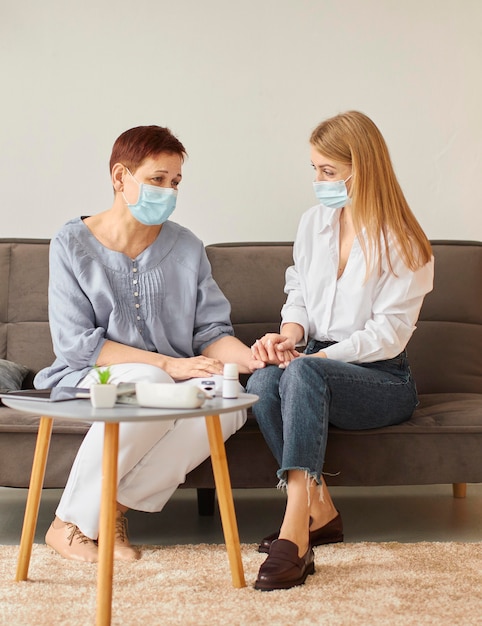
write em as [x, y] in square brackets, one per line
[377, 201]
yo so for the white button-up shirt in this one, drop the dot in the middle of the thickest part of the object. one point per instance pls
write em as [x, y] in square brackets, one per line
[370, 320]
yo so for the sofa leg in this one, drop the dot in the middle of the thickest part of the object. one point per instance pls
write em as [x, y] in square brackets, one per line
[205, 501]
[459, 490]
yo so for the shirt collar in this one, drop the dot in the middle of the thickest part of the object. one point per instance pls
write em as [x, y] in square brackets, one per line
[325, 218]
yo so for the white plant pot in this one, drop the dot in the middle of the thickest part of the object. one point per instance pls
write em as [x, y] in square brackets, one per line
[103, 396]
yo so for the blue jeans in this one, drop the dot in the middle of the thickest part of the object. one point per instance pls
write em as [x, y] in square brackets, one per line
[297, 404]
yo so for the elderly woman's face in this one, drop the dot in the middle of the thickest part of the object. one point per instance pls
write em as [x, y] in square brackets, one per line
[163, 170]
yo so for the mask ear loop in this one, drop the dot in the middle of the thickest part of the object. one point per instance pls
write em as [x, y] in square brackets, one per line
[122, 192]
[345, 181]
[131, 174]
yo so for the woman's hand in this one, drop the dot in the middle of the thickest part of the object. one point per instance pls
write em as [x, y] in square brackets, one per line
[316, 355]
[275, 349]
[193, 367]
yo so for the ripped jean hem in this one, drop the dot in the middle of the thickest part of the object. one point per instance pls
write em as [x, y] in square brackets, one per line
[310, 478]
[283, 479]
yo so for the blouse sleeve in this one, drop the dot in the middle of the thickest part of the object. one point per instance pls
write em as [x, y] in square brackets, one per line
[294, 309]
[76, 339]
[212, 319]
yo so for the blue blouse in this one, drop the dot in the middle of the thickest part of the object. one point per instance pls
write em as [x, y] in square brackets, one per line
[164, 301]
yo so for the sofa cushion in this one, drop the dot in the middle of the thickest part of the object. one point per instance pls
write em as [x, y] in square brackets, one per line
[11, 375]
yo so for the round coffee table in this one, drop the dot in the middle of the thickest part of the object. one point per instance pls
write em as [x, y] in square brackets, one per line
[83, 410]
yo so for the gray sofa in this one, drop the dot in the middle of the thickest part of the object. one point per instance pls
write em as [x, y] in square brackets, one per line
[441, 444]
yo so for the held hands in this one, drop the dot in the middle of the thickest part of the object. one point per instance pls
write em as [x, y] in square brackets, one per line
[275, 349]
[203, 366]
[255, 364]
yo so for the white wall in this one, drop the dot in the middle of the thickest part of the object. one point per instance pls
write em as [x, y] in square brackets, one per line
[242, 85]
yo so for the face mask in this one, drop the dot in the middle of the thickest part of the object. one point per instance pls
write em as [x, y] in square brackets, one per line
[333, 195]
[154, 205]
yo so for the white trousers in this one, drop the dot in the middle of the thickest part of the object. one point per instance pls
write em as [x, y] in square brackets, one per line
[154, 457]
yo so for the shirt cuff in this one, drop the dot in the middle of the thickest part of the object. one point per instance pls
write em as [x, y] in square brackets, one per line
[342, 351]
[296, 317]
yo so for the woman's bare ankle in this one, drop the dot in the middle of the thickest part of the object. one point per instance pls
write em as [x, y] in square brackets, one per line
[297, 535]
[323, 517]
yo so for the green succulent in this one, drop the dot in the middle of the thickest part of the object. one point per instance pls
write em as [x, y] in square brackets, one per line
[103, 374]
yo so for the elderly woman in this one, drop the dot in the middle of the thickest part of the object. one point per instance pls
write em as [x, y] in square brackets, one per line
[362, 266]
[132, 290]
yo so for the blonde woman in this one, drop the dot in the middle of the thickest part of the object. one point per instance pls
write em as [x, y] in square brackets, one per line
[362, 266]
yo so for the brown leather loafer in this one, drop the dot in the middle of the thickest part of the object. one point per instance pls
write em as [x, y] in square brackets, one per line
[329, 533]
[283, 568]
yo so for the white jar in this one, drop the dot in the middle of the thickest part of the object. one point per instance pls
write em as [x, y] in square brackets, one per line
[230, 381]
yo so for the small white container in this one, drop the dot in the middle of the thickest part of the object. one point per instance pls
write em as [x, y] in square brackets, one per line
[230, 381]
[170, 395]
[103, 396]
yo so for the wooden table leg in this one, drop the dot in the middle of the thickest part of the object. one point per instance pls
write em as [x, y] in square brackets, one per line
[33, 498]
[459, 490]
[225, 499]
[107, 524]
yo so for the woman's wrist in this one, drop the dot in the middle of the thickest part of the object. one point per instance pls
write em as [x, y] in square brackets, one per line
[293, 331]
[162, 362]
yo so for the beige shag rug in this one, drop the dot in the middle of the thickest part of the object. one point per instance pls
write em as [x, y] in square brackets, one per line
[354, 584]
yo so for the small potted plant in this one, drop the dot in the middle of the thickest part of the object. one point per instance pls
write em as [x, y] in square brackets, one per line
[104, 393]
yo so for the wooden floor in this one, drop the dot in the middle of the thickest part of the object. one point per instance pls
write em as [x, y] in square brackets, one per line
[404, 514]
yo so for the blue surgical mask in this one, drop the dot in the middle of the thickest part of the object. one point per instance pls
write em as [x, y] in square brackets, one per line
[332, 194]
[154, 205]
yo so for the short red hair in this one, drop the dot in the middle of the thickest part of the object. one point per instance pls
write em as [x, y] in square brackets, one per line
[139, 143]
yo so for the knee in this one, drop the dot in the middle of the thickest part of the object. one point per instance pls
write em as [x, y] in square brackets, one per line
[262, 380]
[139, 372]
[252, 385]
[303, 372]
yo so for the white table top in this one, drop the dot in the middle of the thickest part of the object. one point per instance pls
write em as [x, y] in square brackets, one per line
[83, 409]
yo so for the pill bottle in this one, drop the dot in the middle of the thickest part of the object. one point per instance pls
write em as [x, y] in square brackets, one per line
[230, 380]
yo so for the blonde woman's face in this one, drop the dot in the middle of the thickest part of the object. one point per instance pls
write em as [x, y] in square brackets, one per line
[329, 170]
